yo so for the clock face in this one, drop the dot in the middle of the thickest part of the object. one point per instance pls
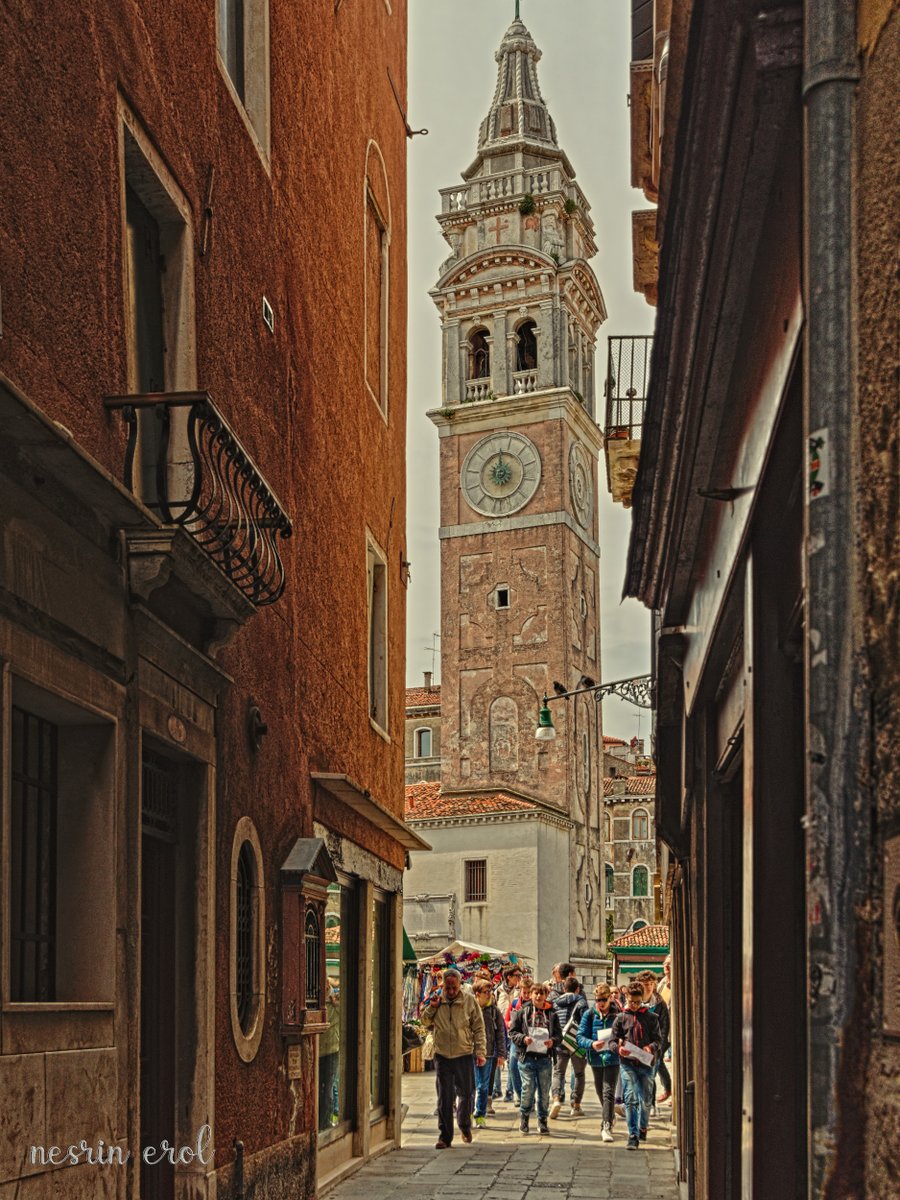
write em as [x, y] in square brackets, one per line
[581, 485]
[501, 474]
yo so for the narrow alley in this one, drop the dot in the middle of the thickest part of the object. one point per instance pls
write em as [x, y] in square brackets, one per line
[501, 1164]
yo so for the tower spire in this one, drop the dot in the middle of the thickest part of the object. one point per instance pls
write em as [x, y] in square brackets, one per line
[517, 10]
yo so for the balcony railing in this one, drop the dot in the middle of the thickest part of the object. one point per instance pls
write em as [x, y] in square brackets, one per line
[627, 379]
[524, 381]
[195, 474]
[478, 389]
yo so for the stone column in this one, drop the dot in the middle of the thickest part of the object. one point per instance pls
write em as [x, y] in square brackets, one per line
[450, 366]
[545, 341]
[501, 380]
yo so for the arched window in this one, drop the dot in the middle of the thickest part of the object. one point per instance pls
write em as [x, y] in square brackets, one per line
[376, 291]
[423, 743]
[640, 825]
[247, 940]
[610, 877]
[313, 959]
[479, 355]
[526, 346]
[640, 882]
[636, 925]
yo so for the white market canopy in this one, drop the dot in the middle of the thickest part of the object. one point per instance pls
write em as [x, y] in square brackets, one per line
[457, 950]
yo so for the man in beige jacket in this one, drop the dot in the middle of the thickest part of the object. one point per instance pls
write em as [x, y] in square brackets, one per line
[454, 1017]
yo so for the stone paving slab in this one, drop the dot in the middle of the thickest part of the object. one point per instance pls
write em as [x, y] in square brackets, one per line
[571, 1163]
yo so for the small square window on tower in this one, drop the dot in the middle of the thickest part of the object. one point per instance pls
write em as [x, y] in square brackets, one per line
[501, 597]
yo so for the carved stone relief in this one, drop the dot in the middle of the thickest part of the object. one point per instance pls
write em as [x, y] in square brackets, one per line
[534, 629]
[504, 734]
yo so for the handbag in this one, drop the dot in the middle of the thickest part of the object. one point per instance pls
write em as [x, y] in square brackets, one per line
[428, 1046]
[570, 1037]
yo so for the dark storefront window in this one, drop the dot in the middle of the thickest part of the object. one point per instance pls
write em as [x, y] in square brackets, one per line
[381, 1004]
[337, 1045]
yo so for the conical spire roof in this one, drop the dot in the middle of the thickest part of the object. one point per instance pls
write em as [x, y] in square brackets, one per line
[518, 112]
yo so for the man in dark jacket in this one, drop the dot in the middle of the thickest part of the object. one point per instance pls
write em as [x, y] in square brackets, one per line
[660, 1010]
[535, 1030]
[637, 1032]
[570, 1007]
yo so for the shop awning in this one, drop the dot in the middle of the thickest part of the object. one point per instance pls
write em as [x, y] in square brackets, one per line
[343, 789]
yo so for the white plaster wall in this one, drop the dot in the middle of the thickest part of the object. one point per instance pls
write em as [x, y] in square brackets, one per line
[528, 906]
[509, 919]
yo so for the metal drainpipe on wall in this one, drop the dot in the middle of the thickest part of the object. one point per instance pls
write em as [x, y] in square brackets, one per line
[837, 856]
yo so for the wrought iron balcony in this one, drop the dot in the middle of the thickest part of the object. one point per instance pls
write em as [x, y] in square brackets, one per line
[187, 464]
[627, 381]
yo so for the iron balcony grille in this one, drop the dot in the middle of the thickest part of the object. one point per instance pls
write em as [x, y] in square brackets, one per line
[627, 380]
[193, 471]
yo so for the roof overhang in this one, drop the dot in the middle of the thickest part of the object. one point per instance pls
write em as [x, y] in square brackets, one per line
[345, 791]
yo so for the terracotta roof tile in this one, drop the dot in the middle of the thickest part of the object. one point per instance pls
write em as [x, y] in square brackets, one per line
[611, 741]
[650, 935]
[635, 785]
[419, 697]
[424, 802]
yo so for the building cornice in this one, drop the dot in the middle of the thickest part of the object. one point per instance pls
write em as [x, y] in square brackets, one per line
[506, 412]
[493, 818]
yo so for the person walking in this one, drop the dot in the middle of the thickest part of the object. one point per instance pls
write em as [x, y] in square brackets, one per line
[636, 1029]
[602, 1052]
[657, 1005]
[570, 1007]
[495, 1048]
[535, 1030]
[514, 1076]
[454, 1017]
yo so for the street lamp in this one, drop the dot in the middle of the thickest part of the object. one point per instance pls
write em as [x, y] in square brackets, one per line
[637, 691]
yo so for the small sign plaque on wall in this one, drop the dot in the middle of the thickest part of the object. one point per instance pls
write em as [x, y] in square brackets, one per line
[294, 1064]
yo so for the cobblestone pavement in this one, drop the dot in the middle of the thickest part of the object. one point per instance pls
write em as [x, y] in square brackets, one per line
[503, 1164]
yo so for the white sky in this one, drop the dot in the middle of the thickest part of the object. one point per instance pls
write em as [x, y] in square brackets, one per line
[584, 80]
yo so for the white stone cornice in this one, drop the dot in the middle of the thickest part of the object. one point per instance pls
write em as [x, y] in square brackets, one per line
[535, 521]
[506, 412]
[494, 818]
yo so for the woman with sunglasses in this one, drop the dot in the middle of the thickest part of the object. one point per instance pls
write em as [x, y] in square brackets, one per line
[602, 1053]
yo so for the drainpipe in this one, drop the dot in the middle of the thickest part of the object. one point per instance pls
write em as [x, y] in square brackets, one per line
[836, 836]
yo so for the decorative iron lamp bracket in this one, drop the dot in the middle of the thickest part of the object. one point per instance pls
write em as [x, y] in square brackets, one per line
[637, 691]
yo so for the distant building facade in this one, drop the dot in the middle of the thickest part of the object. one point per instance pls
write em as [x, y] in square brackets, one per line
[423, 732]
[631, 867]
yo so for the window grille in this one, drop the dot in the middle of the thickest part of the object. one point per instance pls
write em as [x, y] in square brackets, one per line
[159, 796]
[313, 958]
[640, 825]
[34, 797]
[244, 937]
[476, 881]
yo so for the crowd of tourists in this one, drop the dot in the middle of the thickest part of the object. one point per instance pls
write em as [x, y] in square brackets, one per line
[545, 1035]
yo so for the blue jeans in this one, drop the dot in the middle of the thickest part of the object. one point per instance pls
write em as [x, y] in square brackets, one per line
[514, 1078]
[482, 1083]
[637, 1085]
[537, 1073]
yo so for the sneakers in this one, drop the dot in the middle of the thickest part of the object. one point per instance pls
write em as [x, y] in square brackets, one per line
[508, 1097]
[555, 1108]
[620, 1109]
[466, 1135]
[543, 1127]
[490, 1107]
[643, 1135]
[577, 1110]
[606, 1133]
[480, 1123]
[440, 1144]
[663, 1098]
[523, 1124]
[633, 1143]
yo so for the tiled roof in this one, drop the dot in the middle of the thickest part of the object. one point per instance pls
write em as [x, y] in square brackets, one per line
[650, 935]
[424, 802]
[611, 741]
[635, 785]
[420, 697]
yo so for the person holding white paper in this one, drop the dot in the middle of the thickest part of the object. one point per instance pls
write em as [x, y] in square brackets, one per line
[637, 1028]
[595, 1037]
[536, 1031]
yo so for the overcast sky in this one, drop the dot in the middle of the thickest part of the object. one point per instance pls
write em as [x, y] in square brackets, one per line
[584, 80]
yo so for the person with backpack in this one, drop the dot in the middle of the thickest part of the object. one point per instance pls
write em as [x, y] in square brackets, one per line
[535, 1030]
[602, 1053]
[570, 1007]
[637, 1032]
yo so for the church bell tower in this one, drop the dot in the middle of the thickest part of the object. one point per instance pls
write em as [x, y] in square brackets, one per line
[520, 309]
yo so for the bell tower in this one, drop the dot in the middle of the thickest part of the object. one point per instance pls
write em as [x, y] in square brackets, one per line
[520, 309]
